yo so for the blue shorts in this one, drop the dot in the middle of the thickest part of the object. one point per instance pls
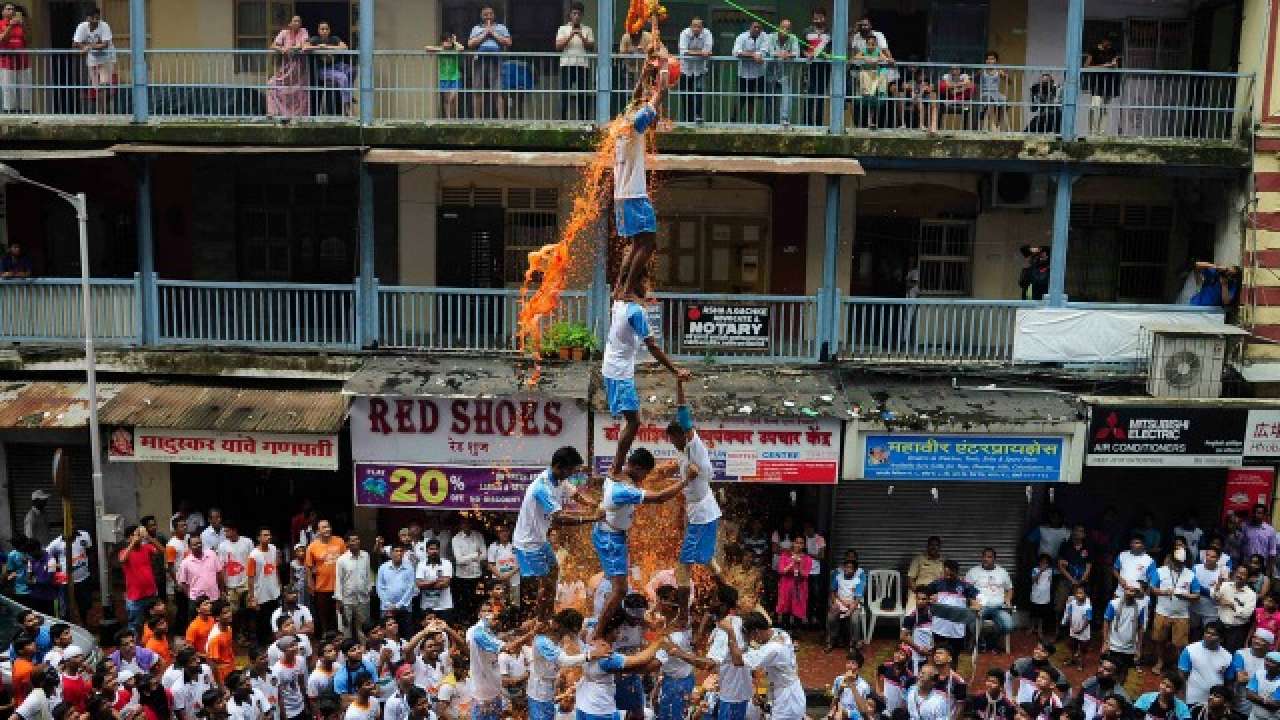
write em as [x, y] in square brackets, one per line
[579, 715]
[622, 396]
[450, 84]
[699, 544]
[634, 216]
[628, 692]
[535, 563]
[731, 710]
[491, 710]
[611, 547]
[540, 710]
[672, 697]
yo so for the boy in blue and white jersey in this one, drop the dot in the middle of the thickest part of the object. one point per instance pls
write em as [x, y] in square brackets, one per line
[549, 656]
[632, 211]
[850, 693]
[597, 691]
[702, 512]
[542, 507]
[483, 648]
[619, 499]
[736, 687]
[678, 660]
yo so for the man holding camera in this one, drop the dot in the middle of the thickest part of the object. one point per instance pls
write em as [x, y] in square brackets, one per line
[1219, 285]
[1034, 279]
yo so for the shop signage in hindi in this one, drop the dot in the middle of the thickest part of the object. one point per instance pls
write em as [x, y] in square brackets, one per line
[442, 487]
[804, 452]
[1135, 435]
[302, 452]
[504, 431]
[726, 327]
[1246, 487]
[1262, 434]
[987, 458]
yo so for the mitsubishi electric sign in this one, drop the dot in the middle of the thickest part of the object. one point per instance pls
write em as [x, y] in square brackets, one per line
[1129, 435]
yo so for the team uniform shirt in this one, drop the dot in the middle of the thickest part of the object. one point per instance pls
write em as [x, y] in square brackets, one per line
[735, 681]
[267, 686]
[629, 179]
[1023, 676]
[1208, 580]
[988, 708]
[35, 706]
[1151, 709]
[932, 707]
[263, 566]
[674, 667]
[514, 667]
[256, 707]
[1134, 569]
[1092, 693]
[777, 658]
[368, 711]
[235, 561]
[1127, 622]
[79, 565]
[699, 502]
[991, 584]
[544, 668]
[274, 654]
[483, 647]
[628, 329]
[435, 598]
[845, 695]
[895, 683]
[1173, 606]
[544, 497]
[320, 682]
[1252, 664]
[619, 501]
[1263, 687]
[290, 679]
[951, 593]
[920, 625]
[503, 557]
[1205, 668]
[849, 589]
[301, 616]
[429, 676]
[595, 691]
[1077, 617]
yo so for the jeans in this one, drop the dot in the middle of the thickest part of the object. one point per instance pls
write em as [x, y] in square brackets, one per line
[574, 77]
[137, 610]
[1000, 616]
[781, 85]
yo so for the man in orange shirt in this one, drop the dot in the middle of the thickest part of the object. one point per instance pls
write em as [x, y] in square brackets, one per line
[322, 565]
[220, 650]
[200, 627]
[158, 640]
[24, 646]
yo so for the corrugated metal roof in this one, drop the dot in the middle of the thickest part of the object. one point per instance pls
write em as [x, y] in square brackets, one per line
[49, 405]
[228, 409]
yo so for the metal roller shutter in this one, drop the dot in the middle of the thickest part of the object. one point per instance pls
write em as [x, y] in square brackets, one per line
[31, 468]
[887, 530]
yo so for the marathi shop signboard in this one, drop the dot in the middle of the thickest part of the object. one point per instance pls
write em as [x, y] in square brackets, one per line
[457, 453]
[1132, 435]
[988, 458]
[726, 327]
[760, 450]
[299, 452]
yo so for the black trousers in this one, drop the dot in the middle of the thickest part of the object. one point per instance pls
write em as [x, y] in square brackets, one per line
[818, 86]
[575, 78]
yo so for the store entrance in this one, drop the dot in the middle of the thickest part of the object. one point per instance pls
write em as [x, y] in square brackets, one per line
[253, 497]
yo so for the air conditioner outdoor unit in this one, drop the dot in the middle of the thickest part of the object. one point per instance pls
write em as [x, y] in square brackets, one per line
[1017, 190]
[1187, 360]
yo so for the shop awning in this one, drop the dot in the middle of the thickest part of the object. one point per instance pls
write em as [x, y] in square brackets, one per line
[467, 377]
[743, 391]
[667, 162]
[49, 405]
[16, 155]
[158, 149]
[937, 403]
[226, 409]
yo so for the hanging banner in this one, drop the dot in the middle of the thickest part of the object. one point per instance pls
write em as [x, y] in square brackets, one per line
[764, 450]
[1165, 436]
[441, 487]
[987, 458]
[1246, 487]
[499, 432]
[302, 452]
[726, 327]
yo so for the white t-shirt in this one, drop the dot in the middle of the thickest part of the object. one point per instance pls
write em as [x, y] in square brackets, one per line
[1208, 580]
[543, 498]
[574, 53]
[319, 682]
[595, 692]
[304, 650]
[545, 663]
[1205, 668]
[699, 502]
[35, 706]
[735, 681]
[513, 666]
[933, 707]
[213, 539]
[355, 711]
[1264, 687]
[992, 584]
[301, 616]
[269, 688]
[1051, 539]
[629, 179]
[1126, 622]
[504, 558]
[777, 658]
[266, 574]
[1041, 585]
[1134, 569]
[256, 707]
[1173, 606]
[94, 58]
[396, 707]
[79, 555]
[628, 328]
[483, 648]
[235, 561]
[673, 666]
[290, 680]
[619, 501]
[440, 598]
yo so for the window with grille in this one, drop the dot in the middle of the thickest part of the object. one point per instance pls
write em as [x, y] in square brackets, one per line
[1118, 253]
[945, 256]
[531, 220]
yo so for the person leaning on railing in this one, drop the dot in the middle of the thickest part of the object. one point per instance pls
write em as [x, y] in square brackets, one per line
[695, 50]
[330, 75]
[488, 39]
[15, 67]
[448, 72]
[781, 48]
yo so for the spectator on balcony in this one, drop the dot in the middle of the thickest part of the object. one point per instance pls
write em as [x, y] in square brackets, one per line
[817, 42]
[1219, 285]
[1034, 279]
[862, 33]
[956, 89]
[870, 83]
[1101, 86]
[287, 89]
[573, 41]
[489, 39]
[781, 48]
[93, 38]
[14, 264]
[991, 96]
[695, 49]
[749, 49]
[330, 72]
[15, 67]
[449, 72]
[1045, 108]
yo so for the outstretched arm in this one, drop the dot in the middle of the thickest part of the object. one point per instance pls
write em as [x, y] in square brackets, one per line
[666, 493]
[664, 360]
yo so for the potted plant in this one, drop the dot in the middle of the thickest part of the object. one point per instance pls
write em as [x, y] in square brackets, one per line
[582, 342]
[569, 341]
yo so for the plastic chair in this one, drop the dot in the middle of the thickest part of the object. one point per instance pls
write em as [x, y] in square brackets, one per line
[980, 626]
[884, 585]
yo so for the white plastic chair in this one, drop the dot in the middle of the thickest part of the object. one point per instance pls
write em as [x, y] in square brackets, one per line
[980, 625]
[884, 584]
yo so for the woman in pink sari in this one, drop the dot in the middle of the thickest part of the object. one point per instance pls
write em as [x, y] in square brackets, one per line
[793, 584]
[287, 95]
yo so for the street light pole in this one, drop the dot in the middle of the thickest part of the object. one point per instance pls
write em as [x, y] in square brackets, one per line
[80, 203]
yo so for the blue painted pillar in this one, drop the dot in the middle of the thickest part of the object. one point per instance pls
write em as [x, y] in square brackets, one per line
[839, 63]
[1071, 76]
[365, 59]
[138, 58]
[598, 295]
[1057, 296]
[368, 307]
[604, 60]
[148, 296]
[829, 294]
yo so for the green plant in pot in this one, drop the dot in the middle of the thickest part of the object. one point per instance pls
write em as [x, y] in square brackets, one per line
[569, 341]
